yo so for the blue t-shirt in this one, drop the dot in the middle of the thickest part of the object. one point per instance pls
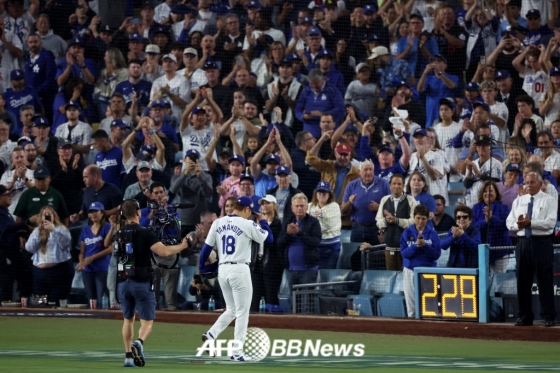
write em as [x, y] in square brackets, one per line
[534, 37]
[427, 200]
[111, 165]
[435, 90]
[365, 194]
[386, 174]
[264, 183]
[16, 100]
[94, 243]
[142, 90]
[166, 129]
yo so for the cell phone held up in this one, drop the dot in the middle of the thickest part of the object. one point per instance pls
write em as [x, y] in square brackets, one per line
[197, 279]
[48, 218]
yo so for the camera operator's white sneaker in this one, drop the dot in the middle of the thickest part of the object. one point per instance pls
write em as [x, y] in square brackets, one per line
[208, 336]
[241, 357]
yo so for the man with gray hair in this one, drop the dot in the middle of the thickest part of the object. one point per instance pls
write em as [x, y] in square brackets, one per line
[533, 216]
[317, 99]
[361, 199]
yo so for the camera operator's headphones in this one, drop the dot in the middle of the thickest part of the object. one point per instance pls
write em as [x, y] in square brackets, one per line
[136, 203]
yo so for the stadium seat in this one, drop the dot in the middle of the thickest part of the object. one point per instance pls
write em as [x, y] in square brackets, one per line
[284, 294]
[502, 286]
[334, 275]
[393, 304]
[186, 274]
[377, 282]
[365, 304]
[443, 258]
[456, 190]
[346, 251]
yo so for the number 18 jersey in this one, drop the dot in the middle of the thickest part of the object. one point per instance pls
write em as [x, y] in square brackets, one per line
[232, 236]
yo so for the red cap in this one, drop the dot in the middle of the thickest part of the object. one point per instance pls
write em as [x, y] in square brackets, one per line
[343, 149]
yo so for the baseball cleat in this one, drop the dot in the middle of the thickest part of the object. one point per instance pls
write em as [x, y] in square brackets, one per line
[208, 336]
[240, 358]
[128, 363]
[138, 353]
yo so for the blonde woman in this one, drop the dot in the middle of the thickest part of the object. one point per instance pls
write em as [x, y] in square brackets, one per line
[550, 105]
[115, 71]
[324, 207]
[50, 245]
[516, 155]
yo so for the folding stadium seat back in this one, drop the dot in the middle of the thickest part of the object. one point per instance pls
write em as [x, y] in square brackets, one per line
[365, 301]
[186, 274]
[346, 251]
[284, 295]
[334, 275]
[398, 287]
[391, 305]
[377, 282]
[443, 258]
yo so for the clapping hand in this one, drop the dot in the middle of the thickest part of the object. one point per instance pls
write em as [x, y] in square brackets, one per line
[456, 232]
[292, 228]
[487, 213]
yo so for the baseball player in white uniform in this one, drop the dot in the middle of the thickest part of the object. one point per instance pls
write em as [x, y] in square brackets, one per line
[232, 236]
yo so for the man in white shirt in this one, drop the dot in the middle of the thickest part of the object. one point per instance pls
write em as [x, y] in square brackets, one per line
[550, 157]
[163, 10]
[11, 49]
[427, 162]
[18, 20]
[482, 169]
[17, 179]
[172, 86]
[118, 107]
[75, 131]
[195, 75]
[533, 215]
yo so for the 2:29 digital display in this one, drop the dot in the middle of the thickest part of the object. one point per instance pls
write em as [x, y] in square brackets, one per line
[448, 296]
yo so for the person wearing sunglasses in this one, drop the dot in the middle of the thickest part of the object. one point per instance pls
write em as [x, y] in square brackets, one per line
[462, 240]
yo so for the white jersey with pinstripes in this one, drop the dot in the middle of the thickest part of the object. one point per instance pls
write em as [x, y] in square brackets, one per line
[231, 235]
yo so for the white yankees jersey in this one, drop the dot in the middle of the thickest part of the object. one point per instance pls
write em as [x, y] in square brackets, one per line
[490, 168]
[445, 135]
[436, 161]
[231, 235]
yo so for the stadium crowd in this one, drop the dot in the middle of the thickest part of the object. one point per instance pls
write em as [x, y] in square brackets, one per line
[338, 118]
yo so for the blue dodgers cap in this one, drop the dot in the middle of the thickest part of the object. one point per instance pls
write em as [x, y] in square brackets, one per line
[385, 148]
[398, 83]
[198, 109]
[484, 105]
[502, 74]
[324, 53]
[41, 172]
[420, 131]
[136, 36]
[293, 57]
[283, 170]
[247, 177]
[41, 121]
[513, 167]
[75, 104]
[238, 158]
[286, 61]
[272, 157]
[222, 10]
[534, 13]
[415, 15]
[148, 148]
[144, 155]
[449, 101]
[323, 186]
[369, 9]
[246, 201]
[554, 71]
[157, 103]
[306, 20]
[96, 206]
[17, 75]
[441, 57]
[254, 4]
[192, 152]
[75, 41]
[210, 65]
[373, 37]
[118, 122]
[314, 31]
[351, 129]
[62, 143]
[472, 86]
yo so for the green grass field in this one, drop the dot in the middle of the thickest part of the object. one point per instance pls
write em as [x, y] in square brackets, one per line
[46, 344]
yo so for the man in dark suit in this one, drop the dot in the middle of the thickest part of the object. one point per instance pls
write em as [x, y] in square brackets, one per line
[508, 96]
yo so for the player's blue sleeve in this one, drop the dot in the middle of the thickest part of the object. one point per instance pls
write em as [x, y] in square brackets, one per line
[204, 254]
[270, 237]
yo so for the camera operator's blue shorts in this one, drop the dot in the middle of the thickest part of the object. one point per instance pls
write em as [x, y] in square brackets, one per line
[137, 296]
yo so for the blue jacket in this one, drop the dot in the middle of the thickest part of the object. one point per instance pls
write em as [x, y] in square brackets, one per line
[464, 250]
[39, 75]
[414, 256]
[499, 234]
[328, 101]
[336, 79]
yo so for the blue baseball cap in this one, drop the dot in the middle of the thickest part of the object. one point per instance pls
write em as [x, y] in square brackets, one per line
[283, 170]
[369, 9]
[385, 148]
[398, 83]
[513, 167]
[180, 9]
[198, 109]
[554, 71]
[323, 186]
[96, 206]
[306, 20]
[41, 121]
[210, 65]
[144, 155]
[293, 57]
[272, 157]
[533, 12]
[246, 201]
[118, 122]
[441, 57]
[157, 103]
[247, 177]
[75, 41]
[41, 172]
[192, 152]
[415, 15]
[502, 74]
[222, 10]
[449, 101]
[324, 53]
[314, 31]
[286, 61]
[136, 36]
[373, 37]
[62, 143]
[420, 131]
[484, 105]
[472, 86]
[237, 158]
[148, 148]
[17, 75]
[254, 4]
[75, 104]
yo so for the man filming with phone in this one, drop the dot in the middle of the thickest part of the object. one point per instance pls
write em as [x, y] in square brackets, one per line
[135, 287]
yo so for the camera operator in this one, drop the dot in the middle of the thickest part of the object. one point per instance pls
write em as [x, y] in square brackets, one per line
[204, 288]
[135, 291]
